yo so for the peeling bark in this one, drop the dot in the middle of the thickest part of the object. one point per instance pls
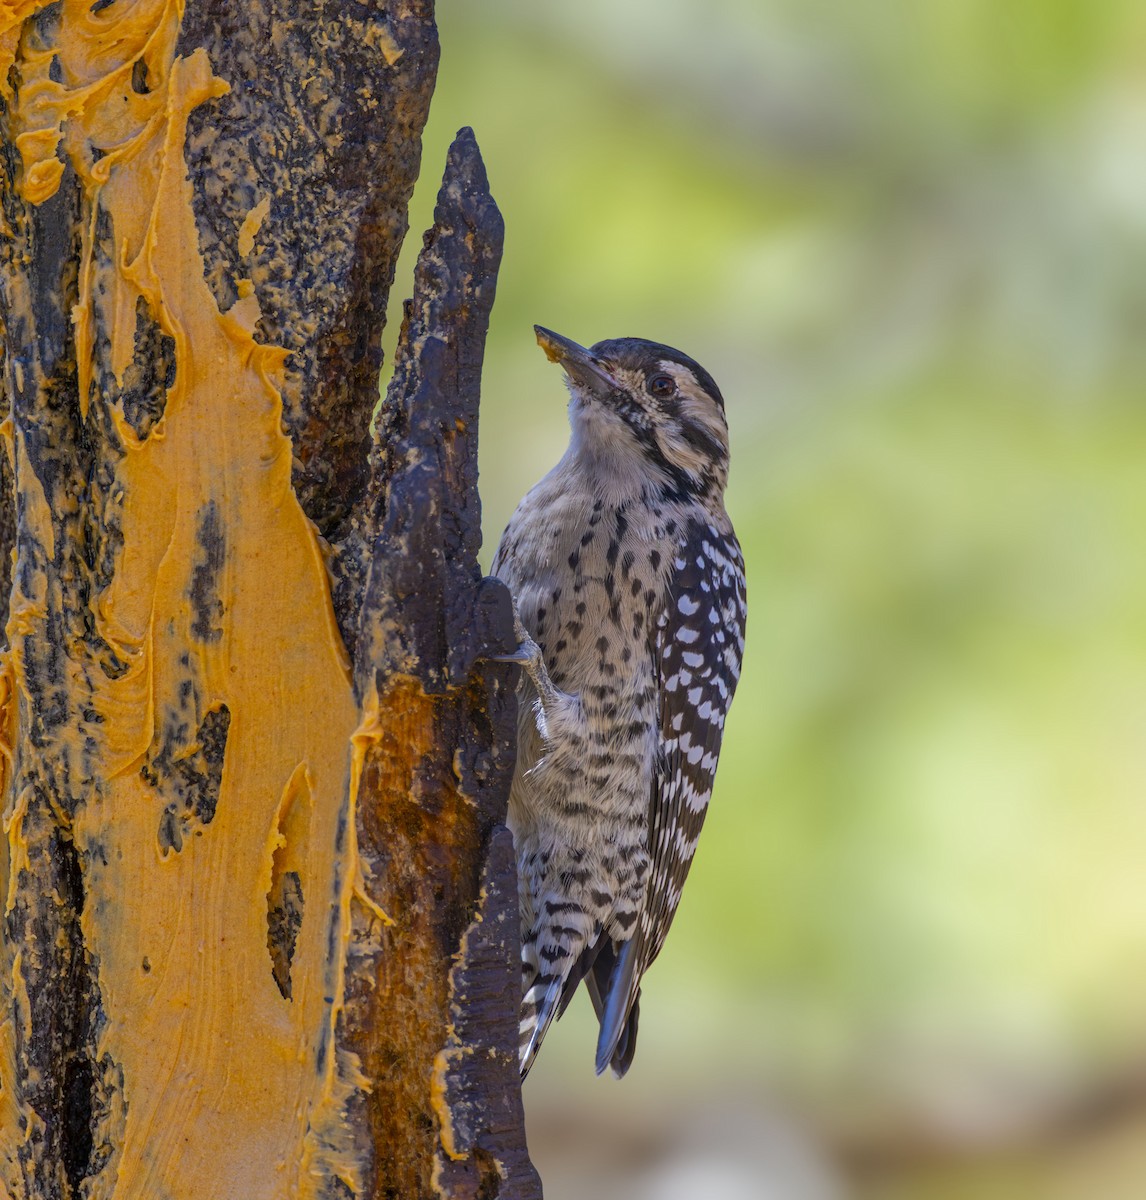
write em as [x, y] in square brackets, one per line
[259, 934]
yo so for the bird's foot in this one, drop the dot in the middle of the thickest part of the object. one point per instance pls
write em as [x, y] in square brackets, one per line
[531, 659]
[528, 652]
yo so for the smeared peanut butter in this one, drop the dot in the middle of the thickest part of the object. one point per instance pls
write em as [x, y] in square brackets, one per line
[225, 746]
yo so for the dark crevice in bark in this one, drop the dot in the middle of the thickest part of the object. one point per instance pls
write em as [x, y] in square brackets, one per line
[57, 1071]
[79, 1082]
[489, 1177]
[285, 910]
[7, 524]
[78, 1078]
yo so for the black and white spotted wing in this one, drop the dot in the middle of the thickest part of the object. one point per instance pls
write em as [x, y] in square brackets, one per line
[699, 644]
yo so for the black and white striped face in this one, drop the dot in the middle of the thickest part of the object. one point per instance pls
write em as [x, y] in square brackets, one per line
[629, 394]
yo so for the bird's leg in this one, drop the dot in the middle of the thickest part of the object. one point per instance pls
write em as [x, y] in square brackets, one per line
[554, 702]
[529, 657]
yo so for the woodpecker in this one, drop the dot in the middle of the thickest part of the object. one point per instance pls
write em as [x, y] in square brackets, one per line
[629, 587]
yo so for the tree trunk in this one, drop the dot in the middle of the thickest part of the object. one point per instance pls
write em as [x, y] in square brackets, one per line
[260, 933]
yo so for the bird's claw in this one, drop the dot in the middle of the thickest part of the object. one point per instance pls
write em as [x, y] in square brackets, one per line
[530, 657]
[527, 655]
[528, 652]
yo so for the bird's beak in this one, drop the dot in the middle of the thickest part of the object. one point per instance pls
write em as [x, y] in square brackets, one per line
[584, 369]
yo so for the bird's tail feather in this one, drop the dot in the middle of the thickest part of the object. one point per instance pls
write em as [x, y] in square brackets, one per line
[616, 1000]
[585, 963]
[538, 1008]
[555, 955]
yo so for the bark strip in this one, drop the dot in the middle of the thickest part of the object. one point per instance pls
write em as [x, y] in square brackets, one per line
[432, 1005]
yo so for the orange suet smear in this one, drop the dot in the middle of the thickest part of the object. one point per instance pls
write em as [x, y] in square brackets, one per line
[229, 1089]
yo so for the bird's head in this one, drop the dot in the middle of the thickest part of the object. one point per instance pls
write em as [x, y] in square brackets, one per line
[639, 405]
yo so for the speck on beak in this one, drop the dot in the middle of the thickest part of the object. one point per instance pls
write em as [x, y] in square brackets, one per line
[585, 371]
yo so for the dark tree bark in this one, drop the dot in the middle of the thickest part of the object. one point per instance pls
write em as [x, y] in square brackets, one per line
[432, 806]
[260, 931]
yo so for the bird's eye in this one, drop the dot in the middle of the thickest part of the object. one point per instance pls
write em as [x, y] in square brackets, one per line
[661, 386]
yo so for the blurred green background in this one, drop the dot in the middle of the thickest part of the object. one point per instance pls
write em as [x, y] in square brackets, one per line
[909, 240]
